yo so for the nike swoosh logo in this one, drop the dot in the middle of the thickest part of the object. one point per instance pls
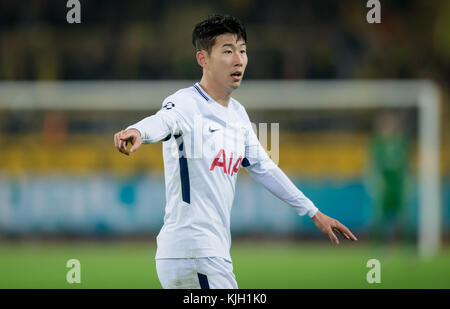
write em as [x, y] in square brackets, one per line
[213, 130]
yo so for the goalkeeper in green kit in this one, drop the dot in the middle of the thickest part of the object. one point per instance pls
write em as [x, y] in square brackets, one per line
[389, 158]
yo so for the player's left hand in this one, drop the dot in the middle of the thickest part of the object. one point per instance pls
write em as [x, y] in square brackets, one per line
[327, 225]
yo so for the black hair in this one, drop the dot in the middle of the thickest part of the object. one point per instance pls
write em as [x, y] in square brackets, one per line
[205, 32]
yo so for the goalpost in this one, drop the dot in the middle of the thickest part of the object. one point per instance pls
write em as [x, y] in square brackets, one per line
[265, 94]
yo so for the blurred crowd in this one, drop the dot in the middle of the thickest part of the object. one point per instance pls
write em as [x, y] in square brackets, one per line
[287, 39]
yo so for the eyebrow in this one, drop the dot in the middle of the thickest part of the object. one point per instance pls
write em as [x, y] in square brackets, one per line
[231, 45]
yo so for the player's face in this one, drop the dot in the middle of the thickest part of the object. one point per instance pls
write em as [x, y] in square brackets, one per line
[228, 60]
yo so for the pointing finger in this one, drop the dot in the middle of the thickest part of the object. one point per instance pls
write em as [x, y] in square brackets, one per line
[118, 143]
[123, 143]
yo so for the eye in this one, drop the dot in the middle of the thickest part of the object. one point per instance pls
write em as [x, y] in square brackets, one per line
[228, 52]
[243, 51]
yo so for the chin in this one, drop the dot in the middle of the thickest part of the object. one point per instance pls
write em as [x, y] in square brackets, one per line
[235, 85]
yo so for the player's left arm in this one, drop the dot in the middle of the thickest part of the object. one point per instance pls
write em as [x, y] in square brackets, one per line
[266, 172]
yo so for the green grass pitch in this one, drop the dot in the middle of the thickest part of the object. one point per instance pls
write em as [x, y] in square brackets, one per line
[262, 264]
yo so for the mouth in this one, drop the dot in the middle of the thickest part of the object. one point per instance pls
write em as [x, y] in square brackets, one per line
[236, 75]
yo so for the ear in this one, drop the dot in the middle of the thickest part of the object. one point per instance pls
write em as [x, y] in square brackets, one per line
[202, 58]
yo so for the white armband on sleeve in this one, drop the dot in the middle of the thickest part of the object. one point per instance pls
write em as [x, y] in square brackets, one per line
[275, 180]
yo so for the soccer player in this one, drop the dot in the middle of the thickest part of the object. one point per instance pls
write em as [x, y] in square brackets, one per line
[389, 168]
[207, 136]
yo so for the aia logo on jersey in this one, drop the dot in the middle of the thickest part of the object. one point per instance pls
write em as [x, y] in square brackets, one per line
[221, 161]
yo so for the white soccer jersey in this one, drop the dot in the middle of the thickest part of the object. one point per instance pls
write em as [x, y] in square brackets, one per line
[204, 146]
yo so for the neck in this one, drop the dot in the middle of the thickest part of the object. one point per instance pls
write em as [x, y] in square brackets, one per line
[219, 94]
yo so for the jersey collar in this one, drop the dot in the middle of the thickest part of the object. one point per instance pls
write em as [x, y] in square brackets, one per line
[219, 117]
[202, 92]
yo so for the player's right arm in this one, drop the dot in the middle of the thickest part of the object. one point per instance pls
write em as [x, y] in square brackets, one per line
[160, 126]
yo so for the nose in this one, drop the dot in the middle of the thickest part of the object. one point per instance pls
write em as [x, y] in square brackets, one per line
[238, 59]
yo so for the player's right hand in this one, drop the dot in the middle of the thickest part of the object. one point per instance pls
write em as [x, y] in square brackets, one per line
[122, 138]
